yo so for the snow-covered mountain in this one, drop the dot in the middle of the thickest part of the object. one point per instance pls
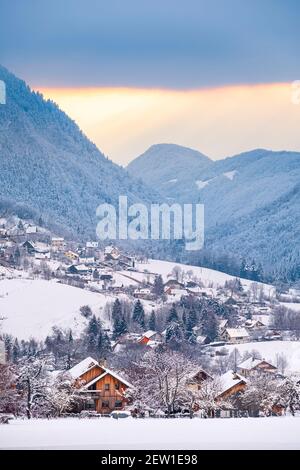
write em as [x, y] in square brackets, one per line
[48, 166]
[252, 204]
[170, 168]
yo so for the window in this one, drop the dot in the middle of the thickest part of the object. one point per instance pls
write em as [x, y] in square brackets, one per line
[117, 386]
[92, 387]
[105, 404]
[90, 404]
[118, 404]
[106, 387]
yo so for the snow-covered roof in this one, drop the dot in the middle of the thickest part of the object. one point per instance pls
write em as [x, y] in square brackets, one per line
[108, 372]
[229, 380]
[83, 367]
[251, 363]
[223, 323]
[144, 290]
[237, 332]
[148, 334]
[178, 292]
[81, 267]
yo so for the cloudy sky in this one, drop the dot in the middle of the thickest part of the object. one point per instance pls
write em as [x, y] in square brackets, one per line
[215, 75]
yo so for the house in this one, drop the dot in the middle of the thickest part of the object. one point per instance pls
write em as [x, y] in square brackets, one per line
[173, 284]
[102, 389]
[71, 255]
[35, 247]
[87, 260]
[91, 244]
[254, 325]
[235, 335]
[176, 293]
[2, 352]
[42, 255]
[79, 269]
[31, 229]
[222, 325]
[144, 293]
[231, 383]
[57, 242]
[149, 337]
[195, 382]
[111, 253]
[202, 339]
[252, 366]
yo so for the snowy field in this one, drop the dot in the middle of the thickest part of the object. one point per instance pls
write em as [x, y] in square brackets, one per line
[108, 433]
[33, 307]
[209, 277]
[269, 349]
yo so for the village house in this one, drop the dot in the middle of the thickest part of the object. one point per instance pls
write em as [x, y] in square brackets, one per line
[72, 255]
[173, 284]
[92, 245]
[254, 325]
[235, 335]
[150, 338]
[57, 243]
[34, 248]
[30, 229]
[102, 389]
[175, 293]
[231, 383]
[79, 269]
[195, 382]
[143, 293]
[111, 253]
[253, 366]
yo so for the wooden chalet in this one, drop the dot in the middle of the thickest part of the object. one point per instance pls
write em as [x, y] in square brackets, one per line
[102, 389]
[231, 383]
[235, 335]
[195, 382]
[253, 366]
[150, 338]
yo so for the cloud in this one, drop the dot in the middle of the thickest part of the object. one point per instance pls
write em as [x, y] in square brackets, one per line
[150, 44]
[220, 121]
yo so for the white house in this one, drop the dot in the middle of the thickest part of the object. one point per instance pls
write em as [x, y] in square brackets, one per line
[235, 335]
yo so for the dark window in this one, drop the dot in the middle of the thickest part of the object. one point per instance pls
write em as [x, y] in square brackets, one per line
[118, 404]
[117, 386]
[105, 404]
[106, 387]
[92, 387]
[90, 404]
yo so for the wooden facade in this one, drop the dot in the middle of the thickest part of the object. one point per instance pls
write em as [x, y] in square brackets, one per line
[103, 391]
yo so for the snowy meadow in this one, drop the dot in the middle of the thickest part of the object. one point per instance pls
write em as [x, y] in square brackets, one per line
[130, 433]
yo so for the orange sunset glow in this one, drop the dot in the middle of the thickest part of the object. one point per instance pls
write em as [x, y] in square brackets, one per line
[223, 121]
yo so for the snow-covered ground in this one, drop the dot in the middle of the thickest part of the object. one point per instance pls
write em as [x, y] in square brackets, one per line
[269, 350]
[129, 433]
[209, 277]
[291, 306]
[33, 307]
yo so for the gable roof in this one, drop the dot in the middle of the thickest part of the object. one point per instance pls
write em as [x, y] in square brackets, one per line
[148, 334]
[229, 380]
[88, 364]
[237, 332]
[251, 363]
[107, 372]
[82, 367]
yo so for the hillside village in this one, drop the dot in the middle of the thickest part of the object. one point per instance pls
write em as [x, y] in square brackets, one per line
[203, 330]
